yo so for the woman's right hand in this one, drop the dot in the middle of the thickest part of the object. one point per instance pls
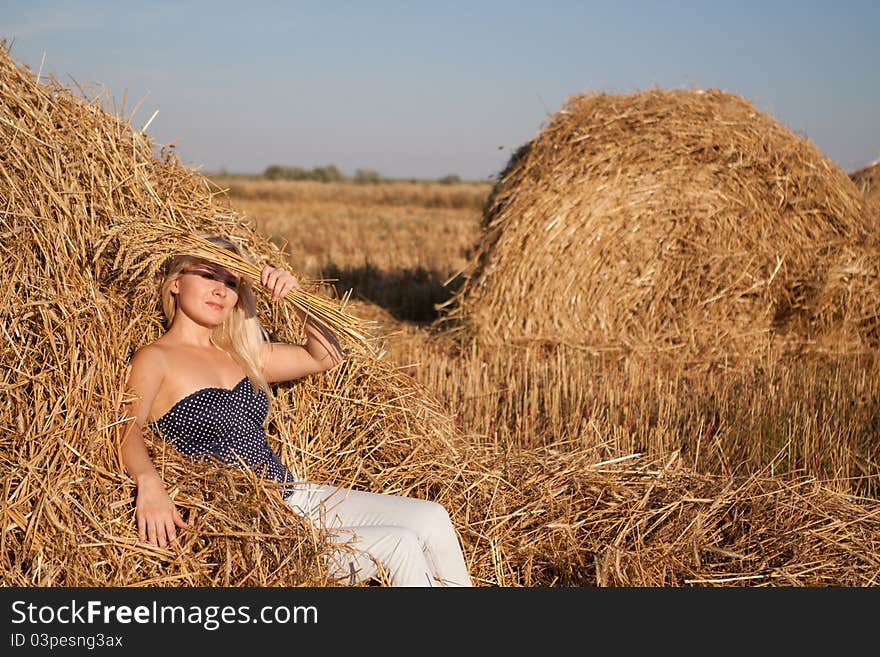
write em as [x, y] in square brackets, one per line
[157, 517]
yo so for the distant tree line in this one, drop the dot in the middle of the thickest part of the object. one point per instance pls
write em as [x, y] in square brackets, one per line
[331, 173]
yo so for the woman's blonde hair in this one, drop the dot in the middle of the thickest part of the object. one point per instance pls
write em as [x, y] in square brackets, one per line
[241, 335]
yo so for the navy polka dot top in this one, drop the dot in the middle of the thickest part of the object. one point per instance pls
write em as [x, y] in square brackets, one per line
[226, 424]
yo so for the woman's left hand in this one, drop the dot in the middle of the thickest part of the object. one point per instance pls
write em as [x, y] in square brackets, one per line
[278, 281]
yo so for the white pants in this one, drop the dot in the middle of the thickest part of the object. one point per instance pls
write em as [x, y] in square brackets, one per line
[411, 540]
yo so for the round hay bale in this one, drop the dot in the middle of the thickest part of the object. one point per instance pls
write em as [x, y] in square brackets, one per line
[85, 201]
[686, 222]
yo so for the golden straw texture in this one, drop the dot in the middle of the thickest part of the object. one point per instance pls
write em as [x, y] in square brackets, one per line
[81, 295]
[160, 241]
[679, 222]
[867, 179]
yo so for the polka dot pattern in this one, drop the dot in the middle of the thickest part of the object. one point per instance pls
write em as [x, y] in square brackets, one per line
[224, 424]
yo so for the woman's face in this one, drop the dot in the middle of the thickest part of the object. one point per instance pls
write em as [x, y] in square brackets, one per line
[206, 292]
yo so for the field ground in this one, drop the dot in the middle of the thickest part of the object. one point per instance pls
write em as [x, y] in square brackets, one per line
[401, 247]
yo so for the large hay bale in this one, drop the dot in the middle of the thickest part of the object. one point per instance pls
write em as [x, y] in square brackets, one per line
[679, 221]
[80, 297]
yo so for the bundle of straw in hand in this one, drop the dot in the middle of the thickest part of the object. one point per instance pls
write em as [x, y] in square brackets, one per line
[160, 240]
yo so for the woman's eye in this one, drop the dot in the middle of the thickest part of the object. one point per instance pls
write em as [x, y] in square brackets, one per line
[231, 284]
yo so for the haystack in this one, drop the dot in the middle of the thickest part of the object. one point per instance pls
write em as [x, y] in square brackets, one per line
[85, 202]
[682, 222]
[867, 179]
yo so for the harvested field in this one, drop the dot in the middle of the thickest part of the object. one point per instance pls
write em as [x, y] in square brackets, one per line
[417, 243]
[789, 416]
[452, 196]
[85, 202]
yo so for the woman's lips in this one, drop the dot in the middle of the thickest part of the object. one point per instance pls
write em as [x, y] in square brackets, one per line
[216, 305]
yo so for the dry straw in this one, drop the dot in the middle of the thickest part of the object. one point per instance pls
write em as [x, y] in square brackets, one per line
[685, 223]
[867, 179]
[80, 296]
[634, 521]
[152, 240]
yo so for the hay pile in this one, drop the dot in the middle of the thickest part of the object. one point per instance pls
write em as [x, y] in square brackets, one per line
[685, 222]
[81, 297]
[867, 179]
[641, 522]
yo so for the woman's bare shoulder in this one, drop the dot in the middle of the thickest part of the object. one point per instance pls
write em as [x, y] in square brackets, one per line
[147, 371]
[152, 356]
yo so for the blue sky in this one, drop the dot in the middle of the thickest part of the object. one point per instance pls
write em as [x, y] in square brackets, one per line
[426, 89]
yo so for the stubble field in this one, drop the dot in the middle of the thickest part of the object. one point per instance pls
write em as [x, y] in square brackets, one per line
[400, 249]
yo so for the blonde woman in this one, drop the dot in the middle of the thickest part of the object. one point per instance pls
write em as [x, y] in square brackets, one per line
[203, 385]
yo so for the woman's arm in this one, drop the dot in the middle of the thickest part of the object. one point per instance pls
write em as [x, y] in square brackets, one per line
[157, 517]
[321, 350]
